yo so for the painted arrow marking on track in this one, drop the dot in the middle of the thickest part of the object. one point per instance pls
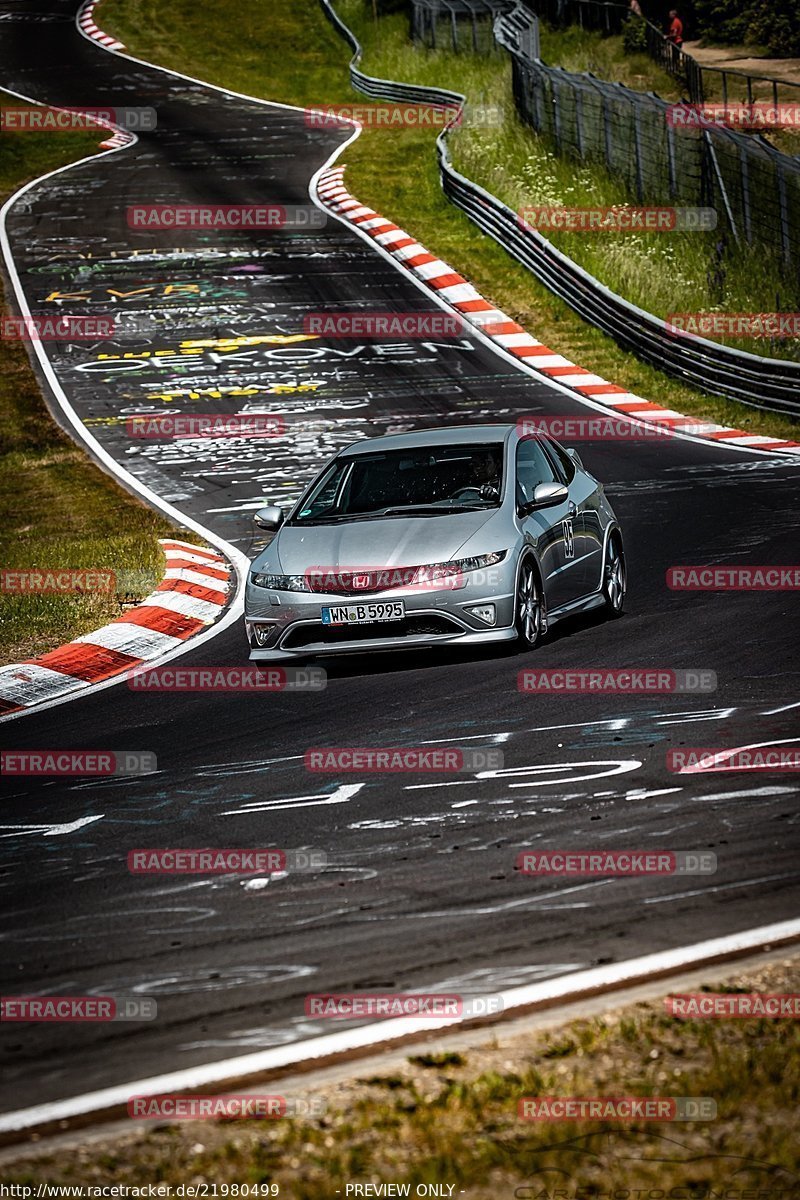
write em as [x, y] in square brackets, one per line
[342, 794]
[51, 830]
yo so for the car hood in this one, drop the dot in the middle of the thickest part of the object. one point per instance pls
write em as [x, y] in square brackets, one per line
[382, 542]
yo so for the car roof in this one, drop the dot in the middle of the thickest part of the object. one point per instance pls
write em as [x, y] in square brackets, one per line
[456, 435]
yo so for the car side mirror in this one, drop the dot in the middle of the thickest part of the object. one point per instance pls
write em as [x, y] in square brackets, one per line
[270, 518]
[545, 495]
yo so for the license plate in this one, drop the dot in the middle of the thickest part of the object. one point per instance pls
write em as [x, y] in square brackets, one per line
[363, 614]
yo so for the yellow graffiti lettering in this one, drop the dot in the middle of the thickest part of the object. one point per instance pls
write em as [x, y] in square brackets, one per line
[213, 393]
[124, 295]
[280, 388]
[276, 339]
[66, 296]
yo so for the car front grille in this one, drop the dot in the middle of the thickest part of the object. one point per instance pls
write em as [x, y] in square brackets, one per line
[425, 625]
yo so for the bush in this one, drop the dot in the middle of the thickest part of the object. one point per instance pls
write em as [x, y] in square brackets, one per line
[777, 27]
[774, 24]
[634, 40]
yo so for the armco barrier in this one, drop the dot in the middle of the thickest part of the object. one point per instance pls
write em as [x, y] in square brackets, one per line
[765, 383]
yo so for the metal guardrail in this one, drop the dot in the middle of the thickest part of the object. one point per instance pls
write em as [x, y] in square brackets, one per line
[766, 383]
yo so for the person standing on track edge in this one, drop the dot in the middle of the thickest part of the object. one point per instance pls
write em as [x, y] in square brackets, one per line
[675, 32]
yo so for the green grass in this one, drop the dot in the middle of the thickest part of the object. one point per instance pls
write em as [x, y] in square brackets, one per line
[578, 49]
[292, 54]
[57, 509]
[451, 1118]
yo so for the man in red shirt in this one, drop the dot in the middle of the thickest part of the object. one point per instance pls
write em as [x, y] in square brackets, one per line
[675, 34]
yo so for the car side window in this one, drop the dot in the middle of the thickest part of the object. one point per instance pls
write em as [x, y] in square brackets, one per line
[566, 466]
[533, 468]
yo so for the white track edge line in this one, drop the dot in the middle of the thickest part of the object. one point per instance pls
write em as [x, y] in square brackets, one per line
[560, 988]
[239, 561]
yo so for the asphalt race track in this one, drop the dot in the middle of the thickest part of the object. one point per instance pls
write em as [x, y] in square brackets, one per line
[420, 890]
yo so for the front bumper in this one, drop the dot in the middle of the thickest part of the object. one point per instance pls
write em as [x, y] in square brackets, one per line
[432, 618]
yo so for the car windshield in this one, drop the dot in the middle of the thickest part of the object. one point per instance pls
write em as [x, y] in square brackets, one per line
[423, 481]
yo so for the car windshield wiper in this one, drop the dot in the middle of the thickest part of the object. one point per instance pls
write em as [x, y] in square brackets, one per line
[365, 516]
[433, 510]
[418, 510]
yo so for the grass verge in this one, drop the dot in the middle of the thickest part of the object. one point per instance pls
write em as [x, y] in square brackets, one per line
[57, 509]
[451, 1119]
[293, 55]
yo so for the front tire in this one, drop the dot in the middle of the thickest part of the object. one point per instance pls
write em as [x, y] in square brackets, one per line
[615, 577]
[528, 607]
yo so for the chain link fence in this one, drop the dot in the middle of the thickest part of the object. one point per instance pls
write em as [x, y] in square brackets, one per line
[659, 150]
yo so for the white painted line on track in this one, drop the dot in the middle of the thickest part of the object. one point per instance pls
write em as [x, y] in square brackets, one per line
[551, 991]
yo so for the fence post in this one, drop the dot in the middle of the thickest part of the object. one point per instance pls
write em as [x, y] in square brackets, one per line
[745, 174]
[697, 89]
[607, 133]
[556, 116]
[579, 121]
[538, 99]
[786, 240]
[721, 185]
[673, 182]
[636, 142]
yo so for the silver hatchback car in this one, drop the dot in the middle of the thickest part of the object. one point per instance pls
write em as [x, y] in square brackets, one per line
[439, 537]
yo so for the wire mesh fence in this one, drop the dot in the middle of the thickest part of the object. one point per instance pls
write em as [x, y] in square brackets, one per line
[701, 82]
[662, 150]
[459, 25]
[772, 384]
[604, 16]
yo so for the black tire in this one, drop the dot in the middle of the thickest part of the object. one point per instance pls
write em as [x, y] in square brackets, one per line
[529, 619]
[615, 578]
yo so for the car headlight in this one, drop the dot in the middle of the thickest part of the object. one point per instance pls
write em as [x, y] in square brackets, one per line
[281, 583]
[483, 560]
[458, 566]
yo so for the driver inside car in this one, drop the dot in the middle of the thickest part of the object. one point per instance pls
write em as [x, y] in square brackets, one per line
[485, 485]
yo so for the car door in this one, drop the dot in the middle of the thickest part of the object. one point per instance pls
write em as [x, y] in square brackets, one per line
[586, 494]
[552, 528]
